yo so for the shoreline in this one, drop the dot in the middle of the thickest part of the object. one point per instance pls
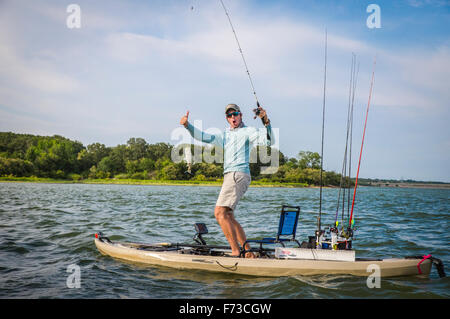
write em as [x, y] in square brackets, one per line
[112, 181]
[144, 182]
[411, 185]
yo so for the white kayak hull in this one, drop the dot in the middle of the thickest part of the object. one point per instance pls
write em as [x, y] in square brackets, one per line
[270, 267]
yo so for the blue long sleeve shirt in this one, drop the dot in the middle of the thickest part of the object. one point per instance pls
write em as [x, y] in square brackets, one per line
[236, 143]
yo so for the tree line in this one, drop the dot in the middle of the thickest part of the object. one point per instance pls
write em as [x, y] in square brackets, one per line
[25, 155]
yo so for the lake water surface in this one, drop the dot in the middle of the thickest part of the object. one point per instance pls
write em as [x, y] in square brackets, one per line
[45, 228]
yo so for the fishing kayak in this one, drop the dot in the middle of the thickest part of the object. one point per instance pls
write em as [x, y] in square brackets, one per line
[218, 259]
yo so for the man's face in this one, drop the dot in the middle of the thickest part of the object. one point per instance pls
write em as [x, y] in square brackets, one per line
[234, 118]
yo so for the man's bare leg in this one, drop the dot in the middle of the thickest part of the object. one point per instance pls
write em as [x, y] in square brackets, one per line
[241, 237]
[224, 218]
[232, 229]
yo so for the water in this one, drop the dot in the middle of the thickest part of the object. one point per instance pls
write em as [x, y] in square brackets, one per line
[44, 228]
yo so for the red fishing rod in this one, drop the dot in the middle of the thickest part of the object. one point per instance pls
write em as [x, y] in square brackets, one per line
[362, 143]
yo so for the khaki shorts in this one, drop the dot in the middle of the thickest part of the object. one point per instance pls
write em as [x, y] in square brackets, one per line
[234, 186]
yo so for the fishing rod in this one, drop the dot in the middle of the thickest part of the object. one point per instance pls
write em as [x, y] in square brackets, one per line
[349, 124]
[351, 221]
[345, 180]
[355, 78]
[323, 125]
[257, 110]
[345, 160]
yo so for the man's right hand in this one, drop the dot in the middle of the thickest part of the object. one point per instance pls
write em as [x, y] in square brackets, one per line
[184, 120]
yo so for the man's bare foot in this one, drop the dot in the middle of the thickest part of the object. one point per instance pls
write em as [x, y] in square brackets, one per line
[235, 254]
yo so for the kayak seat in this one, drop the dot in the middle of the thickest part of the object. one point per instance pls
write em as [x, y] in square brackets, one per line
[287, 229]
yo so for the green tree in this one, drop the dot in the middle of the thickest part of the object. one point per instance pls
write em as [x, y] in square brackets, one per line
[209, 170]
[16, 167]
[132, 167]
[117, 159]
[137, 148]
[168, 172]
[331, 178]
[159, 151]
[309, 159]
[264, 156]
[146, 164]
[92, 155]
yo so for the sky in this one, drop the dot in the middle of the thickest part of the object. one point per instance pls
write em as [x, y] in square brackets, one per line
[134, 68]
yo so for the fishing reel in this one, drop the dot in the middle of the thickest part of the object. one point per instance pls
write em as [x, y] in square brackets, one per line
[257, 111]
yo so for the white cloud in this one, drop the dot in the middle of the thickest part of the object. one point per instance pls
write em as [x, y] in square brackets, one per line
[414, 79]
[422, 3]
[33, 73]
[116, 75]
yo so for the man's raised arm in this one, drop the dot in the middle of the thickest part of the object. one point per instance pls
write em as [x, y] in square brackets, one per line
[215, 139]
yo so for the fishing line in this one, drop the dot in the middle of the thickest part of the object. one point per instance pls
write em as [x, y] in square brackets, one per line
[242, 54]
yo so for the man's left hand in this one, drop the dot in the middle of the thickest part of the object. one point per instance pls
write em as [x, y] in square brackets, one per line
[263, 115]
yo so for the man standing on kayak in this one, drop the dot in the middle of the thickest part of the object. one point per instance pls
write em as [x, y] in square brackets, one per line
[237, 142]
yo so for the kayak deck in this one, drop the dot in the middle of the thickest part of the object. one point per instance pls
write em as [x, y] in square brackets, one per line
[218, 260]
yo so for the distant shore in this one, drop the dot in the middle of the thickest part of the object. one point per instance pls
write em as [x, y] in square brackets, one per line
[254, 183]
[409, 185]
[144, 182]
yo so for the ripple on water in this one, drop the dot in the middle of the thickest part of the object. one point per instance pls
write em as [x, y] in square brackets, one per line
[47, 227]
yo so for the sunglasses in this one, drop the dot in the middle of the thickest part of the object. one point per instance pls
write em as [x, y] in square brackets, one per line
[233, 113]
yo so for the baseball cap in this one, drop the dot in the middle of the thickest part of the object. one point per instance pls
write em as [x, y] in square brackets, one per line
[232, 106]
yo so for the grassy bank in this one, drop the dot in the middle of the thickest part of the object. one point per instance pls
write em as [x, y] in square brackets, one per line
[255, 183]
[141, 182]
